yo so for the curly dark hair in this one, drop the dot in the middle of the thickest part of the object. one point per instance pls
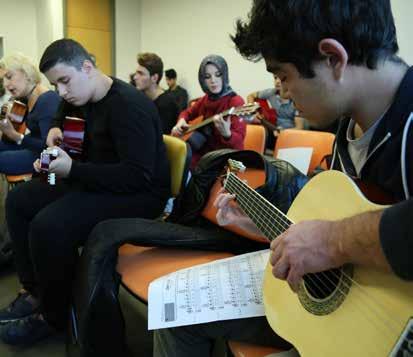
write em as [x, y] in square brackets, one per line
[290, 31]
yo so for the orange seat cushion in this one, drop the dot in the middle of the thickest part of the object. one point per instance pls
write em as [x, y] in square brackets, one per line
[242, 349]
[139, 266]
[18, 178]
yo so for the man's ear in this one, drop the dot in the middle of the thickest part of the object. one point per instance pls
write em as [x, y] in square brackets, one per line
[154, 78]
[87, 66]
[335, 54]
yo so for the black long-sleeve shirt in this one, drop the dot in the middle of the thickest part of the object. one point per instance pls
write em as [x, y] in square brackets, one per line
[123, 149]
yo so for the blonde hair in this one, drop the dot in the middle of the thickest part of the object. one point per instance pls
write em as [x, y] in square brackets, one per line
[22, 63]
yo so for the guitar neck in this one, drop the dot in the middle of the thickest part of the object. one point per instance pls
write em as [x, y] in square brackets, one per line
[268, 124]
[204, 122]
[269, 219]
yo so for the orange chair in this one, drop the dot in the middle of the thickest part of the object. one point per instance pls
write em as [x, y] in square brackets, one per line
[13, 180]
[242, 349]
[321, 142]
[255, 138]
[139, 266]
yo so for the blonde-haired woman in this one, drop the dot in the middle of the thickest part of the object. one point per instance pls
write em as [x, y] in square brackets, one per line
[22, 81]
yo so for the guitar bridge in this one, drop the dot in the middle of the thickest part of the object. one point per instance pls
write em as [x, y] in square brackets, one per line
[404, 346]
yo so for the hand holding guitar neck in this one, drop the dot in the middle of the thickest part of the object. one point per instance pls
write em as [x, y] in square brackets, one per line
[223, 125]
[43, 164]
[55, 162]
[180, 128]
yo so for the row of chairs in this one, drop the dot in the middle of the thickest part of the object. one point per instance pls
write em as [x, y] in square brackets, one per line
[156, 262]
[139, 266]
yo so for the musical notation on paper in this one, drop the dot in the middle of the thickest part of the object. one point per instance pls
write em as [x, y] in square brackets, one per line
[225, 289]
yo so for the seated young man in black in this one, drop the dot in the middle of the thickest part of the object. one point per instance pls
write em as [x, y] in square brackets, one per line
[124, 173]
[346, 67]
[179, 94]
[147, 77]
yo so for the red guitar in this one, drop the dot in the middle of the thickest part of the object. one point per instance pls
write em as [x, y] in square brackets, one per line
[73, 136]
[17, 111]
[72, 143]
[268, 114]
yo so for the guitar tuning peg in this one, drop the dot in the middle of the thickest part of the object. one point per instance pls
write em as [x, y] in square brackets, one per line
[51, 179]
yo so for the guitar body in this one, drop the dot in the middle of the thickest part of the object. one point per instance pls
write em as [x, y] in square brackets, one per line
[73, 136]
[196, 121]
[269, 113]
[357, 319]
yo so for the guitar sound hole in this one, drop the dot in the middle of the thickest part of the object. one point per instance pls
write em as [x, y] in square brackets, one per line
[322, 285]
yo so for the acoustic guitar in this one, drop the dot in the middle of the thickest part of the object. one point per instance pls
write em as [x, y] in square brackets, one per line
[73, 136]
[245, 112]
[347, 312]
[268, 116]
[17, 111]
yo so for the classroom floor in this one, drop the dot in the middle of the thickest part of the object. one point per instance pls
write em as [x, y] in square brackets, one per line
[52, 347]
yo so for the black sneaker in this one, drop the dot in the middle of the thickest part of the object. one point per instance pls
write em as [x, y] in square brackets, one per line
[18, 309]
[26, 331]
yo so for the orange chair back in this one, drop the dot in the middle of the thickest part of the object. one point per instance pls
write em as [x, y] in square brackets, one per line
[255, 138]
[321, 142]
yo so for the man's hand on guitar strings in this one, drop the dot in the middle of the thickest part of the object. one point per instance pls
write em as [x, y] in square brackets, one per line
[62, 165]
[230, 213]
[305, 247]
[54, 137]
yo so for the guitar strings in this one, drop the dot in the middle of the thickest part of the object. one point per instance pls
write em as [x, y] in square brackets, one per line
[285, 224]
[242, 198]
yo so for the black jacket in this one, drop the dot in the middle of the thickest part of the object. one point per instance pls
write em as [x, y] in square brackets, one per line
[383, 168]
[97, 322]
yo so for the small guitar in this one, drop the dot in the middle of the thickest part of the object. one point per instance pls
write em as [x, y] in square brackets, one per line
[268, 116]
[72, 143]
[350, 311]
[17, 111]
[73, 136]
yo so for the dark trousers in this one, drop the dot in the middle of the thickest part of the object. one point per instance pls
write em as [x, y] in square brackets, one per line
[15, 160]
[47, 224]
[198, 340]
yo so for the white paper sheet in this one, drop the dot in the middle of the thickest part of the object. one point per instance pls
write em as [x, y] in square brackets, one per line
[299, 157]
[226, 289]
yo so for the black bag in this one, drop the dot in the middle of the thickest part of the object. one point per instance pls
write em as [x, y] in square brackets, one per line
[97, 327]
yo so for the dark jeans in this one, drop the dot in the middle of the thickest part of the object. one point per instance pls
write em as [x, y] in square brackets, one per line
[47, 224]
[15, 160]
[198, 340]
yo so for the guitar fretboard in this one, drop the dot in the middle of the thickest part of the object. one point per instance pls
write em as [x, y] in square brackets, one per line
[269, 219]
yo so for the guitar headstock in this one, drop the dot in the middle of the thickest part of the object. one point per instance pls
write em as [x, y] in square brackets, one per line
[246, 111]
[233, 166]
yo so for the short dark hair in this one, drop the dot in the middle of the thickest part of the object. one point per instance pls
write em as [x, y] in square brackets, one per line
[170, 73]
[65, 51]
[290, 31]
[152, 62]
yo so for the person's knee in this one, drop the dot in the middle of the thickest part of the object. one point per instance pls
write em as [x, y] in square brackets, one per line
[102, 230]
[15, 199]
[45, 234]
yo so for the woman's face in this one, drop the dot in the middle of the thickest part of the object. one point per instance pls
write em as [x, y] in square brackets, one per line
[16, 83]
[213, 79]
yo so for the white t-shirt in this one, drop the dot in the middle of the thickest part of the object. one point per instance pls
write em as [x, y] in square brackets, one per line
[358, 148]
